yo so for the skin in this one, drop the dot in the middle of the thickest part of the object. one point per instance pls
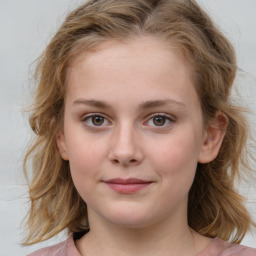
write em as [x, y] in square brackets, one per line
[131, 111]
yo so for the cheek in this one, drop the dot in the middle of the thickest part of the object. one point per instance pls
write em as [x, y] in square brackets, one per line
[176, 159]
[84, 149]
[86, 156]
[84, 171]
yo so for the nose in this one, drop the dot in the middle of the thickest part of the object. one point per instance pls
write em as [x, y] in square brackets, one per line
[125, 147]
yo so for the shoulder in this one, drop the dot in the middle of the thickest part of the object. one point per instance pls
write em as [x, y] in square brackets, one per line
[55, 250]
[238, 250]
[62, 249]
[219, 247]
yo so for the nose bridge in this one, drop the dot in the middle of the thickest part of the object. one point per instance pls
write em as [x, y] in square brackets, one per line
[125, 137]
[125, 148]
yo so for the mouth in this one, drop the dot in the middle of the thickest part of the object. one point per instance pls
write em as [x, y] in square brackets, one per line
[127, 186]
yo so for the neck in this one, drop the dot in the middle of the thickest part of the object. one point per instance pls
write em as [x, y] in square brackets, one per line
[165, 238]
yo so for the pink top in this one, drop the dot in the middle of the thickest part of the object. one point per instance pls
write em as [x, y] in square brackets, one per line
[217, 247]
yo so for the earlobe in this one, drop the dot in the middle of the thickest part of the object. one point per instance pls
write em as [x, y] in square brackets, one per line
[61, 144]
[213, 138]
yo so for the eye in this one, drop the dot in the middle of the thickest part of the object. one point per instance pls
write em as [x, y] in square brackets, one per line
[160, 120]
[95, 120]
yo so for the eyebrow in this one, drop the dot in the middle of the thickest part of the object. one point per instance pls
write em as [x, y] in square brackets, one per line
[144, 105]
[160, 103]
[92, 103]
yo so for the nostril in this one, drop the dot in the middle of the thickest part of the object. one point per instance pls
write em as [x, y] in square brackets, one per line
[116, 161]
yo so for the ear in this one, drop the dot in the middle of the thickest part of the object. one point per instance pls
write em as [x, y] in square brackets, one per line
[61, 144]
[213, 137]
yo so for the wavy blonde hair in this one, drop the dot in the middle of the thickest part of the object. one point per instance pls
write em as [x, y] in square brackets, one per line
[215, 208]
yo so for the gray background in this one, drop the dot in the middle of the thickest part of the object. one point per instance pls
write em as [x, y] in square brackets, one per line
[25, 28]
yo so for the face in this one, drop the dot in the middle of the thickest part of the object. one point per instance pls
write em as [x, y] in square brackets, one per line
[133, 132]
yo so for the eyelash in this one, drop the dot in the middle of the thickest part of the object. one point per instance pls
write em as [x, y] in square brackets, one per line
[167, 118]
[88, 119]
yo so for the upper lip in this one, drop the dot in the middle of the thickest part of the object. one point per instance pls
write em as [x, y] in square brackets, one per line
[127, 181]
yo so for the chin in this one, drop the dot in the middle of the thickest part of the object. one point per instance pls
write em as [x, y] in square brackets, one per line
[129, 217]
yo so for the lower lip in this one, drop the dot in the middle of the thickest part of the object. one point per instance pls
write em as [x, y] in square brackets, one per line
[128, 188]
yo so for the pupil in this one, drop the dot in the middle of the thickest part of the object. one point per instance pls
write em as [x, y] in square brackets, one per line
[97, 120]
[159, 120]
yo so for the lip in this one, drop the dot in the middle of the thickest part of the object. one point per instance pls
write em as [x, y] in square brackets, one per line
[127, 186]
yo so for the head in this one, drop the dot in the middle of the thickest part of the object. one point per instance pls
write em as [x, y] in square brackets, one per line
[210, 59]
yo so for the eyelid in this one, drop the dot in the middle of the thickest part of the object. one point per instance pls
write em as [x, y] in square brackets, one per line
[86, 117]
[91, 115]
[169, 117]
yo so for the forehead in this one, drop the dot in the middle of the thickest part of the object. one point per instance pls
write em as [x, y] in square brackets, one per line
[144, 48]
[142, 63]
